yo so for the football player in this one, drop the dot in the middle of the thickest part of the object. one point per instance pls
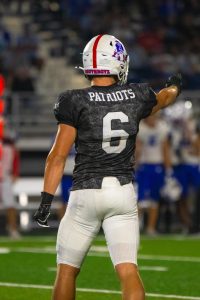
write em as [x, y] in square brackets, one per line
[9, 171]
[176, 141]
[102, 120]
[196, 217]
[190, 152]
[152, 155]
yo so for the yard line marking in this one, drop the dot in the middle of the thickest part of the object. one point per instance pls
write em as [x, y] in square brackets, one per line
[52, 269]
[98, 254]
[154, 257]
[142, 268]
[172, 296]
[168, 257]
[50, 250]
[24, 285]
[102, 238]
[104, 253]
[99, 249]
[27, 239]
[172, 237]
[153, 268]
[49, 287]
[94, 250]
[4, 250]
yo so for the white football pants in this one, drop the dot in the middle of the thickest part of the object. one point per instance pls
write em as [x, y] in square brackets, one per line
[114, 208]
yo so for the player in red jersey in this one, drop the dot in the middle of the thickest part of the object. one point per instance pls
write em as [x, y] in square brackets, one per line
[9, 174]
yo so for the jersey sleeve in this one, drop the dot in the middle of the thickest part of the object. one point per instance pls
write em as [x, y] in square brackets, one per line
[65, 110]
[148, 98]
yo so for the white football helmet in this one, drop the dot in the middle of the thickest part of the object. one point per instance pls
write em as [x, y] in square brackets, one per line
[105, 55]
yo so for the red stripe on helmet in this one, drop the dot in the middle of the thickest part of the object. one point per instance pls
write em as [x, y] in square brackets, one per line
[94, 50]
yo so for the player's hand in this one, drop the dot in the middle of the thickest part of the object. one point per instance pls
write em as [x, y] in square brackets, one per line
[42, 214]
[176, 80]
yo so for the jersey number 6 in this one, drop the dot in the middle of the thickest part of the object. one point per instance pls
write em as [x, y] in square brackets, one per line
[109, 133]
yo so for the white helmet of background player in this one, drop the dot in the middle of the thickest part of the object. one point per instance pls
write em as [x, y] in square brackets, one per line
[105, 55]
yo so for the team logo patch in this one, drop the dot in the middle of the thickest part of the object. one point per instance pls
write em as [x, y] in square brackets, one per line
[119, 52]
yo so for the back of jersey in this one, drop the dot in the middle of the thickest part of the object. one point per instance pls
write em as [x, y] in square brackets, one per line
[107, 120]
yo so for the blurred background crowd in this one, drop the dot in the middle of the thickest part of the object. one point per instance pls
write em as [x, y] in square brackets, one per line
[161, 37]
[41, 43]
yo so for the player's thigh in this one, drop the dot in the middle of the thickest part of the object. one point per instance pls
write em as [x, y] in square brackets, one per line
[77, 228]
[122, 229]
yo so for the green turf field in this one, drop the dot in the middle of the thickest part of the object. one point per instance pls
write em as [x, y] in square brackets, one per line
[169, 266]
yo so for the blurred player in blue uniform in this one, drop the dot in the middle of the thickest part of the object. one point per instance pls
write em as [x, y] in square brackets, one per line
[173, 196]
[176, 141]
[152, 159]
[185, 157]
[190, 152]
[103, 121]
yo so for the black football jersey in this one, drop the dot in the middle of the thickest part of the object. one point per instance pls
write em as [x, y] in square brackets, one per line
[107, 120]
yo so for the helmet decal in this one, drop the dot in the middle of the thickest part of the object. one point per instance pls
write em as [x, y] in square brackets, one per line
[119, 51]
[119, 47]
[94, 50]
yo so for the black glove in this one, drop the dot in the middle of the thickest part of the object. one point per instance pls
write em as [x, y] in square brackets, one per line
[43, 212]
[175, 80]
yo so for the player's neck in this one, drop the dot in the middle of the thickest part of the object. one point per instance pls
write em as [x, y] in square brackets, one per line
[103, 81]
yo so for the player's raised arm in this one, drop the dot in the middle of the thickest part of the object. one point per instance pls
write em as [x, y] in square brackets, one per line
[169, 94]
[54, 167]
